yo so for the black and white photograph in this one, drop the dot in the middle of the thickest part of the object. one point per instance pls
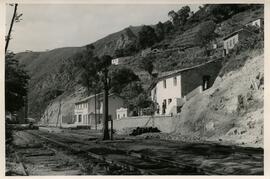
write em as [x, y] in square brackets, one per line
[134, 89]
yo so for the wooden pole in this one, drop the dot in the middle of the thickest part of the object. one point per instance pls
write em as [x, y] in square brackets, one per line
[106, 135]
[111, 129]
[96, 109]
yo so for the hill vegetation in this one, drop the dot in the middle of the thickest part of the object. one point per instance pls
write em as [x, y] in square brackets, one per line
[182, 41]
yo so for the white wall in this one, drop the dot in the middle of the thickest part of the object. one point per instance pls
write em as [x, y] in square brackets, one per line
[170, 92]
[121, 113]
[165, 124]
[81, 109]
[230, 42]
[115, 61]
[257, 22]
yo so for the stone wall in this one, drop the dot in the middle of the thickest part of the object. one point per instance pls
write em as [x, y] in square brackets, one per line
[163, 123]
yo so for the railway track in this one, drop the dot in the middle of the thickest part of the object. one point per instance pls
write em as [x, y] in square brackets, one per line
[36, 158]
[131, 162]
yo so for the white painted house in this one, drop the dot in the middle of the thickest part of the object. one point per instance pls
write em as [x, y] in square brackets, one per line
[257, 22]
[121, 113]
[84, 112]
[233, 38]
[173, 88]
[120, 60]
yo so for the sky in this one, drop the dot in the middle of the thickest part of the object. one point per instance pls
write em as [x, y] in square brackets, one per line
[48, 26]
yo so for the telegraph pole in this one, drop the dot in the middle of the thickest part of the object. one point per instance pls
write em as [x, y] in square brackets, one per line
[106, 135]
[96, 109]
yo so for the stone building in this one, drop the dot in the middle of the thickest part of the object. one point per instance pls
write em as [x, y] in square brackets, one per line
[173, 88]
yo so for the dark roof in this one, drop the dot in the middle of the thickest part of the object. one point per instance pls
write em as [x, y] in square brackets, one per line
[236, 32]
[168, 74]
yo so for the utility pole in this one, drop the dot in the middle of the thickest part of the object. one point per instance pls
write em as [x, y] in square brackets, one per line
[96, 109]
[106, 135]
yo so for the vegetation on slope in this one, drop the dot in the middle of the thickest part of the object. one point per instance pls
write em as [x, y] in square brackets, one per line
[53, 70]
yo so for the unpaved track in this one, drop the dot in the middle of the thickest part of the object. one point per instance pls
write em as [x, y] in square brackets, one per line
[168, 158]
[141, 157]
[39, 159]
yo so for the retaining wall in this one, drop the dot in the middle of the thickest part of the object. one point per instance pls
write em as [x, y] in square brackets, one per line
[163, 123]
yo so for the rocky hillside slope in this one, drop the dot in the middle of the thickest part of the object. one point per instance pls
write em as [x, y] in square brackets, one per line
[229, 112]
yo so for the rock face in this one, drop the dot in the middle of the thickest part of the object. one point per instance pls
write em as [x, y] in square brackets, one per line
[229, 112]
[62, 108]
[112, 42]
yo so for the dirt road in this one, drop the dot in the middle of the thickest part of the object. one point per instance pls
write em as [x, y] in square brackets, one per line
[80, 152]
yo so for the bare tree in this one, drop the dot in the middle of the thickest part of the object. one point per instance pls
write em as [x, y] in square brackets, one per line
[15, 18]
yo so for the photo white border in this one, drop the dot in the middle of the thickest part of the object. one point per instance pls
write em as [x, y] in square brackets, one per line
[266, 77]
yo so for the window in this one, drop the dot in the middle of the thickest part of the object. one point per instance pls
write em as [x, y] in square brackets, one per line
[175, 81]
[233, 41]
[164, 106]
[206, 82]
[123, 115]
[164, 83]
[178, 109]
[80, 118]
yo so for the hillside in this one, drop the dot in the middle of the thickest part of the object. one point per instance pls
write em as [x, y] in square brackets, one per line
[48, 73]
[50, 81]
[229, 112]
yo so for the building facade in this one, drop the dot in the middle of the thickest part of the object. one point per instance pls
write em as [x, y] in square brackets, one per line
[120, 60]
[232, 39]
[257, 22]
[172, 89]
[121, 113]
[89, 111]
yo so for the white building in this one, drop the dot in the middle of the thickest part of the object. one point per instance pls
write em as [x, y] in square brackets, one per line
[257, 22]
[84, 112]
[173, 88]
[121, 113]
[232, 39]
[120, 60]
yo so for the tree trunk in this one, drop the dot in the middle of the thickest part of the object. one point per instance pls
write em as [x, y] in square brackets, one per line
[106, 135]
[10, 28]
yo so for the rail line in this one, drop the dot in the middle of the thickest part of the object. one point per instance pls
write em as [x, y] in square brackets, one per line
[35, 158]
[149, 165]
